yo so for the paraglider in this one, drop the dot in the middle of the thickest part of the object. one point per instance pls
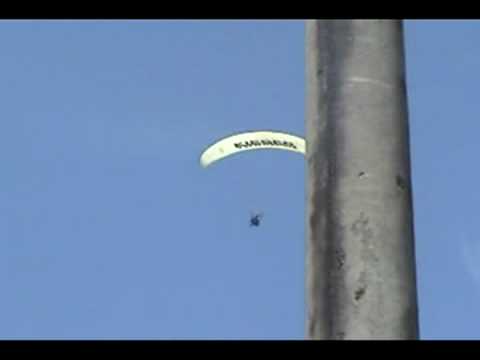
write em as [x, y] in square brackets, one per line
[252, 140]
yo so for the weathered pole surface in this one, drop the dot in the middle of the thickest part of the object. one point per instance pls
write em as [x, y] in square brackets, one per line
[361, 281]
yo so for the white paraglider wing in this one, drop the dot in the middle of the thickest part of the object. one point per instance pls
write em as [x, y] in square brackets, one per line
[253, 140]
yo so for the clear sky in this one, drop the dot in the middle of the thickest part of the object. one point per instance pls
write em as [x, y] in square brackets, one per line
[109, 227]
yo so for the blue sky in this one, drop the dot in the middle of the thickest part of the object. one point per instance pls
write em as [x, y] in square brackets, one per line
[110, 228]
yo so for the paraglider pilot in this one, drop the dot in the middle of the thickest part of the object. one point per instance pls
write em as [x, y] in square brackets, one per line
[255, 219]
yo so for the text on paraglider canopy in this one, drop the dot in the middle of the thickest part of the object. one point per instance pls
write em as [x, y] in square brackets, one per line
[252, 143]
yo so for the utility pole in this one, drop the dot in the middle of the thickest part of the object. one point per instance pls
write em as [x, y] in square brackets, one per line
[361, 281]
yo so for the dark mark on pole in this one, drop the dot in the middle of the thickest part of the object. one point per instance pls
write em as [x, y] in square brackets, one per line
[340, 257]
[401, 182]
[359, 293]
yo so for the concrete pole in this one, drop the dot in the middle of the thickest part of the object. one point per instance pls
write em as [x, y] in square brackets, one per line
[361, 281]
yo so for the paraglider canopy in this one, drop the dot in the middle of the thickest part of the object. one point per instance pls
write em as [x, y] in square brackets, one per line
[252, 140]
